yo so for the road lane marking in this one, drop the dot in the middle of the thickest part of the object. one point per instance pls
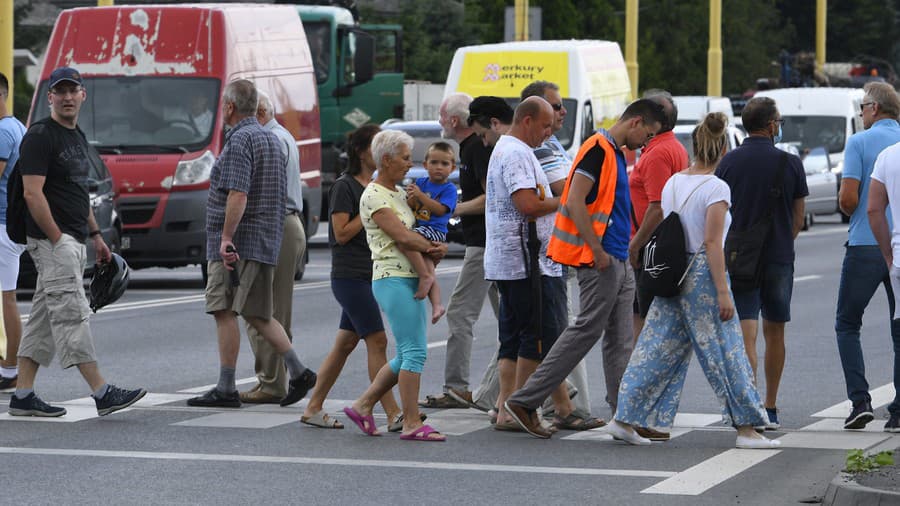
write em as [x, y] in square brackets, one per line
[807, 278]
[240, 420]
[683, 423]
[831, 440]
[711, 472]
[205, 388]
[169, 301]
[881, 396]
[369, 464]
[437, 344]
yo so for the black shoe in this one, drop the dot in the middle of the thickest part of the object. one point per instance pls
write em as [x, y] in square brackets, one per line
[216, 399]
[117, 398]
[7, 383]
[33, 406]
[297, 388]
[893, 424]
[861, 415]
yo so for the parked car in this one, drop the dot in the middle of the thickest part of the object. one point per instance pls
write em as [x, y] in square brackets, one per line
[104, 203]
[425, 133]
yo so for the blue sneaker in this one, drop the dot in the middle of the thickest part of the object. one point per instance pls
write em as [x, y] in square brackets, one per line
[773, 419]
[32, 405]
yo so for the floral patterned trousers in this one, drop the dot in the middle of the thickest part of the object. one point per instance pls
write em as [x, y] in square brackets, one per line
[651, 387]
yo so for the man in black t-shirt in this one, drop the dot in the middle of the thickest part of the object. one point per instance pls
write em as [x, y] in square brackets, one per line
[54, 160]
[471, 287]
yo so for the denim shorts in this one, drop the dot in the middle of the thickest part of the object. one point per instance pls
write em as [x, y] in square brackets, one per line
[517, 337]
[360, 313]
[773, 297]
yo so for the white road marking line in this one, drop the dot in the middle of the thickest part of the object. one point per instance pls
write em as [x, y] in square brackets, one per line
[711, 472]
[319, 461]
[73, 414]
[204, 388]
[807, 278]
[684, 423]
[831, 440]
[881, 396]
[437, 344]
[169, 301]
[837, 425]
[239, 420]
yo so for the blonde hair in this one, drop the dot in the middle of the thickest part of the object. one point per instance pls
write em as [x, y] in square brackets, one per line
[710, 138]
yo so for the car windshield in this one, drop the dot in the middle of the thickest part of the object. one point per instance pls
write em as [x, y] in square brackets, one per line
[145, 114]
[807, 132]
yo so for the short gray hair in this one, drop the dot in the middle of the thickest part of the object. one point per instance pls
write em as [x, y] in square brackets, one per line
[388, 142]
[242, 93]
[664, 98]
[457, 104]
[885, 96]
[265, 103]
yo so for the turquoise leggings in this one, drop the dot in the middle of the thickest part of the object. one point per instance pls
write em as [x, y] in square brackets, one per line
[407, 319]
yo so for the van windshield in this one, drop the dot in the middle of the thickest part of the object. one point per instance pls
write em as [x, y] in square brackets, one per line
[145, 114]
[807, 132]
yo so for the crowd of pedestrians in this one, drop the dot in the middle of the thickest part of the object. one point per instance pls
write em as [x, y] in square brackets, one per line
[557, 246]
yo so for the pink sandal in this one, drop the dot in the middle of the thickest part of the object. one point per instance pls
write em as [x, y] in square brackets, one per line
[422, 434]
[365, 423]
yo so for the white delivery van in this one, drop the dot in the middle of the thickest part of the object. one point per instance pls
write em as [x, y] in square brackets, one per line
[591, 76]
[693, 108]
[815, 117]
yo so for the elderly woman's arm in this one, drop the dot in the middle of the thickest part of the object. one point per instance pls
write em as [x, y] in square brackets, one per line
[404, 237]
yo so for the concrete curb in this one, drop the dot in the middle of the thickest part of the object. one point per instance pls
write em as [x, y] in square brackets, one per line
[843, 491]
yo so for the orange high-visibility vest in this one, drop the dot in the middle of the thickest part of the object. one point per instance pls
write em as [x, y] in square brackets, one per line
[566, 245]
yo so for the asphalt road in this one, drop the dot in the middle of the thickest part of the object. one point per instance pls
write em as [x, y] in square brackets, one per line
[163, 452]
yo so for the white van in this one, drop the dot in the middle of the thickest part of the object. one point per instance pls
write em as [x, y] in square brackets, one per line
[816, 117]
[693, 108]
[591, 76]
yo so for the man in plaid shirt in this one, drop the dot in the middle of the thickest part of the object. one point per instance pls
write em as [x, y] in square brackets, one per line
[244, 220]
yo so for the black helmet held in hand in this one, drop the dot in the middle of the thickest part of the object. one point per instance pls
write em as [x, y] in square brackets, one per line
[109, 282]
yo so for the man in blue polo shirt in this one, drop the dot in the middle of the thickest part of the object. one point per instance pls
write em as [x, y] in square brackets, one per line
[751, 171]
[864, 268]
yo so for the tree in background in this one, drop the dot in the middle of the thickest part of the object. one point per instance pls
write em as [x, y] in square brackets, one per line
[30, 37]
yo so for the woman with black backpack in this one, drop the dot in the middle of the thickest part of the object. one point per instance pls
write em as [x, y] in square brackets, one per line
[700, 318]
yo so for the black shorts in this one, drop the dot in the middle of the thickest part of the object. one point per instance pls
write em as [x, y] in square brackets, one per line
[517, 336]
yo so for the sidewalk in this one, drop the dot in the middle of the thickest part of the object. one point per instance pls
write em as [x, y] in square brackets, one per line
[880, 487]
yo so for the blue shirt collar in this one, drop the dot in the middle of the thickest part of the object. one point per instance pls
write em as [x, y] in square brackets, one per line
[609, 137]
[886, 122]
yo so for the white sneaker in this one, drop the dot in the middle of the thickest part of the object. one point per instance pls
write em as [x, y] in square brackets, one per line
[620, 433]
[757, 443]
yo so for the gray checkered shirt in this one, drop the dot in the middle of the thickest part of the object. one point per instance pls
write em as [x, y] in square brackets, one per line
[251, 162]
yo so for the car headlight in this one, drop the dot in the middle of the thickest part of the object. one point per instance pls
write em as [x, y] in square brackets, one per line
[194, 171]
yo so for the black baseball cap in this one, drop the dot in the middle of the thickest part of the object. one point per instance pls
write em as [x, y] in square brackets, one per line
[490, 107]
[65, 74]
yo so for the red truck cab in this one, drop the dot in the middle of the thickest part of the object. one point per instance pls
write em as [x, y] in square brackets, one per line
[154, 77]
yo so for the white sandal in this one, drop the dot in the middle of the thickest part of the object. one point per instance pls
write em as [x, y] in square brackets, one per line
[322, 420]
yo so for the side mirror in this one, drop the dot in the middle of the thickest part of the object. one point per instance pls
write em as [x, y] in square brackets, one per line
[364, 57]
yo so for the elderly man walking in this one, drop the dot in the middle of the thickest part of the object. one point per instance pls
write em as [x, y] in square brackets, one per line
[863, 268]
[270, 371]
[244, 227]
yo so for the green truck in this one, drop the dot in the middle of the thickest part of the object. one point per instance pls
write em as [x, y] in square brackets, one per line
[359, 73]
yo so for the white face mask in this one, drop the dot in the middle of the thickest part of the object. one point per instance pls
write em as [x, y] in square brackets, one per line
[777, 137]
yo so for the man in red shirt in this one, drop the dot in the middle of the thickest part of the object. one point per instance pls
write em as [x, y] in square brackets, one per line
[661, 157]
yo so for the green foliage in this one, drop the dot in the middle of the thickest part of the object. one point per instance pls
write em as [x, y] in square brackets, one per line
[30, 37]
[859, 462]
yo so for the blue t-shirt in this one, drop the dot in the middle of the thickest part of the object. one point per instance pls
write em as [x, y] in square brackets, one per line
[859, 159]
[618, 229]
[443, 193]
[11, 133]
[750, 172]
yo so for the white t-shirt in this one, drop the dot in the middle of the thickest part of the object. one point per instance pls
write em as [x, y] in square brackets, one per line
[513, 167]
[693, 213]
[887, 172]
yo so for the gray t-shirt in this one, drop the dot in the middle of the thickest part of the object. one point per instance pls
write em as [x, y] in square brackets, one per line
[290, 151]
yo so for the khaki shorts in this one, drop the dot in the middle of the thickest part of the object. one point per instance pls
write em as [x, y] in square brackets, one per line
[252, 298]
[60, 310]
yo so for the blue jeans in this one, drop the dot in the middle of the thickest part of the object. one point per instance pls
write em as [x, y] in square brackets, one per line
[863, 270]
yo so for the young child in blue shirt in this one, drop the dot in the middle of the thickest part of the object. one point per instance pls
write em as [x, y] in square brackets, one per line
[433, 200]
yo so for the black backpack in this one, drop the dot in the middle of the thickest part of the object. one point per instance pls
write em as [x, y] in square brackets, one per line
[16, 209]
[665, 255]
